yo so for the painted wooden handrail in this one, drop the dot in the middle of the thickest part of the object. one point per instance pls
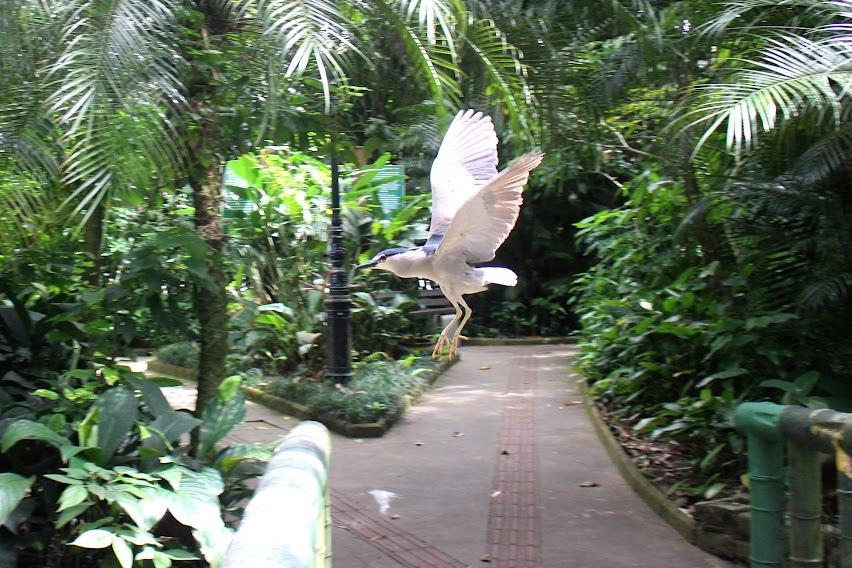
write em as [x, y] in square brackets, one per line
[287, 522]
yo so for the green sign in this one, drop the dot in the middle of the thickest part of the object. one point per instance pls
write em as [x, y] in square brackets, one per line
[390, 193]
[232, 202]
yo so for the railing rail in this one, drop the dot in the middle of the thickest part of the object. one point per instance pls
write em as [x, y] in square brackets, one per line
[287, 523]
[805, 433]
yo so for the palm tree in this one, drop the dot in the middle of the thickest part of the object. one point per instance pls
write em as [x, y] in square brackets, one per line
[151, 94]
[795, 79]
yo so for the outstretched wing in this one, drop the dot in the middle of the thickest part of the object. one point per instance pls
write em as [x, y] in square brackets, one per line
[484, 221]
[466, 161]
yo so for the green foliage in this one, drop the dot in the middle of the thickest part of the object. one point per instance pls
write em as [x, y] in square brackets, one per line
[279, 324]
[94, 456]
[378, 390]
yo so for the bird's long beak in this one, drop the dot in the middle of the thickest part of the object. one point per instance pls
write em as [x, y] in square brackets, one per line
[363, 265]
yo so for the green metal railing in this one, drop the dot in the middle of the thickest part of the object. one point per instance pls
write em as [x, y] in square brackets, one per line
[287, 523]
[806, 433]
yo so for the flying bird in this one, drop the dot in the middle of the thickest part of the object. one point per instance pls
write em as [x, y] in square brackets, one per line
[474, 208]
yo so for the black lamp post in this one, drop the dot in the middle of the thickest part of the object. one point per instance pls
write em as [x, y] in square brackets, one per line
[338, 302]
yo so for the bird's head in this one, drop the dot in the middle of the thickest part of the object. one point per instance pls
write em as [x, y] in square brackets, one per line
[386, 259]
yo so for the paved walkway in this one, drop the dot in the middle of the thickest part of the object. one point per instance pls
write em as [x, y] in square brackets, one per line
[496, 466]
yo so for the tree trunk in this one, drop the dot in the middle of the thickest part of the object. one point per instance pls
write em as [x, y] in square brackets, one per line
[211, 301]
[205, 178]
[94, 230]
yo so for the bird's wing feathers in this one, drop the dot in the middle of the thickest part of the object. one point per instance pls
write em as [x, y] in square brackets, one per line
[484, 221]
[466, 161]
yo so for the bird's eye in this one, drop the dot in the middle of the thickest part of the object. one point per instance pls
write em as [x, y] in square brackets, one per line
[383, 258]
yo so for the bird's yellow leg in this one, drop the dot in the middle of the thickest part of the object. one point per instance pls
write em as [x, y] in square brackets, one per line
[444, 338]
[454, 344]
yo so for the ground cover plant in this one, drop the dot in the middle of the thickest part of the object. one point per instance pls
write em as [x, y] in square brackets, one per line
[96, 466]
[379, 391]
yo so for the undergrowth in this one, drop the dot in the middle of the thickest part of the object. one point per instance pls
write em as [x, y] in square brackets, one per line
[378, 389]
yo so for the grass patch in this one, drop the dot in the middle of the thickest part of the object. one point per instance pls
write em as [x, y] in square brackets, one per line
[377, 392]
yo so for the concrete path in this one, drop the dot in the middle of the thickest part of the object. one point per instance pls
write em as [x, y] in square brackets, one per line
[497, 466]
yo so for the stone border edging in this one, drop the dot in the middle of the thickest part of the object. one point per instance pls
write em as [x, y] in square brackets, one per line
[277, 403]
[653, 497]
[531, 340]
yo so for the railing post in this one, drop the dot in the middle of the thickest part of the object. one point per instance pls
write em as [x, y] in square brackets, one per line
[759, 420]
[844, 504]
[805, 479]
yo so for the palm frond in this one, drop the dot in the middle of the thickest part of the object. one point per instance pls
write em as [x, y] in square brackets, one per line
[795, 75]
[505, 69]
[309, 33]
[434, 62]
[118, 67]
[751, 14]
[825, 156]
[433, 15]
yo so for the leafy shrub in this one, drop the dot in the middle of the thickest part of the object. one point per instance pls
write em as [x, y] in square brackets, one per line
[671, 342]
[377, 391]
[182, 354]
[279, 245]
[92, 455]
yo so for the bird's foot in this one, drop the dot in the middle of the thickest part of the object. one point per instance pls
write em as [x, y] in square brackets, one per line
[436, 353]
[454, 348]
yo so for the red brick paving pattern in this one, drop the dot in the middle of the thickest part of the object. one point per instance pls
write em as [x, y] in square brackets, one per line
[403, 547]
[513, 517]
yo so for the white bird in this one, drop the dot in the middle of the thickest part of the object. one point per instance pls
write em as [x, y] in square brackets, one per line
[474, 209]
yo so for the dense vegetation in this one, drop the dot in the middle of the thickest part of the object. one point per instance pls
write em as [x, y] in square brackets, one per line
[691, 222]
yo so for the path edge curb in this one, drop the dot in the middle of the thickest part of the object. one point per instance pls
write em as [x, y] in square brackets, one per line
[284, 406]
[508, 341]
[653, 497]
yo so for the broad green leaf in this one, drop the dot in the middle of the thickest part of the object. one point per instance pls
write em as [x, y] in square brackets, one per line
[123, 552]
[130, 505]
[229, 387]
[174, 475]
[13, 488]
[235, 454]
[196, 503]
[218, 419]
[118, 410]
[277, 307]
[726, 374]
[71, 513]
[161, 560]
[48, 394]
[152, 506]
[179, 554]
[171, 425]
[272, 319]
[786, 386]
[29, 430]
[151, 394]
[95, 538]
[72, 496]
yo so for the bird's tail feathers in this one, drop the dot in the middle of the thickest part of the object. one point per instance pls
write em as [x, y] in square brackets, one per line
[502, 276]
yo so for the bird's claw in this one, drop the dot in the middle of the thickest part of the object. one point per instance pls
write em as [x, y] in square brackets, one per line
[436, 353]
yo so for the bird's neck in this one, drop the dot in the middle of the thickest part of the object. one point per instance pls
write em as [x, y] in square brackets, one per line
[414, 263]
